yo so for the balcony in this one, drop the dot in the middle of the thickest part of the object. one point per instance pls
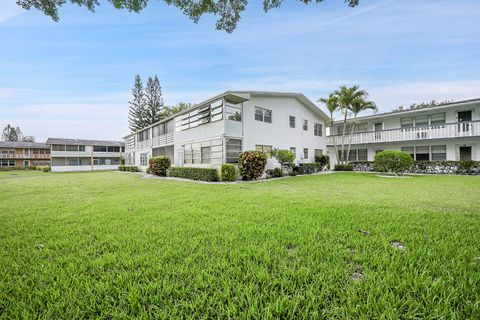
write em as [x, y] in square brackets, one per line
[444, 131]
[24, 156]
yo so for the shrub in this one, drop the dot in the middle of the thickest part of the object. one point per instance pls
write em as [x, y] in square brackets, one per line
[252, 164]
[128, 168]
[322, 160]
[343, 167]
[274, 173]
[46, 169]
[284, 157]
[228, 172]
[159, 165]
[392, 161]
[309, 168]
[204, 174]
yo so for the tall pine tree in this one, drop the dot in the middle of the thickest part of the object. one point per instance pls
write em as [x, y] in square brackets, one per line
[154, 101]
[137, 112]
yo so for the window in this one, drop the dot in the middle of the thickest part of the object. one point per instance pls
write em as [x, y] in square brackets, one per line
[73, 162]
[143, 135]
[113, 149]
[58, 147]
[265, 149]
[406, 123]
[357, 155]
[263, 115]
[143, 159]
[410, 151]
[439, 153]
[206, 154]
[292, 121]
[71, 148]
[305, 153]
[305, 125]
[7, 151]
[317, 129]
[318, 152]
[99, 148]
[233, 112]
[421, 121]
[81, 148]
[7, 163]
[294, 151]
[158, 130]
[437, 119]
[233, 150]
[422, 153]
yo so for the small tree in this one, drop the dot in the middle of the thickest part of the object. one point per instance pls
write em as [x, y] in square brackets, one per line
[322, 160]
[153, 101]
[159, 165]
[392, 161]
[252, 164]
[136, 112]
[286, 158]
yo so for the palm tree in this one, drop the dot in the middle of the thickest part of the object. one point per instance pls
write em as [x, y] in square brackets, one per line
[356, 107]
[347, 97]
[332, 106]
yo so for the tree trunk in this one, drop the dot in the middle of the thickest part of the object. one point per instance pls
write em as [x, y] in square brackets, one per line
[351, 135]
[343, 135]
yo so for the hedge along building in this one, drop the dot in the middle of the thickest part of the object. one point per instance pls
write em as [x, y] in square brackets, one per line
[218, 129]
[448, 131]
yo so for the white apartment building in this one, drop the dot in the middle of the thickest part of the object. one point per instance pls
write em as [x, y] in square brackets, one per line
[84, 155]
[218, 129]
[449, 131]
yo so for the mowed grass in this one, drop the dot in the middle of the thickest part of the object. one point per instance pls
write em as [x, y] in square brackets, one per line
[115, 245]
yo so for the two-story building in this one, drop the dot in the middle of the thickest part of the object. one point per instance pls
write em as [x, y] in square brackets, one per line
[24, 154]
[218, 129]
[84, 155]
[448, 131]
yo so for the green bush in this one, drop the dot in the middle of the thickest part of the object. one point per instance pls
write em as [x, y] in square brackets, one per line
[322, 160]
[128, 168]
[284, 157]
[392, 161]
[228, 172]
[159, 165]
[274, 173]
[309, 168]
[252, 164]
[204, 174]
[46, 168]
[13, 168]
[343, 167]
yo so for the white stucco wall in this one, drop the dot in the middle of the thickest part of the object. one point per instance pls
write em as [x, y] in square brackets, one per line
[278, 134]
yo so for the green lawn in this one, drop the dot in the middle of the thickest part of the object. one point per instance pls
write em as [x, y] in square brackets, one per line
[115, 245]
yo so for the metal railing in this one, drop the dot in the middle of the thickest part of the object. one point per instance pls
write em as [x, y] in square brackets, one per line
[443, 131]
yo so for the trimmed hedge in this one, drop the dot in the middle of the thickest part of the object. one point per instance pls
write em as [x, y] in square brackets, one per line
[128, 168]
[17, 168]
[252, 164]
[44, 168]
[274, 173]
[228, 172]
[430, 167]
[203, 174]
[392, 161]
[343, 167]
[159, 165]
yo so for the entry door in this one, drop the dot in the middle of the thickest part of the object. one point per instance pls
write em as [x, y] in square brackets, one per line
[464, 117]
[26, 163]
[465, 153]
[378, 127]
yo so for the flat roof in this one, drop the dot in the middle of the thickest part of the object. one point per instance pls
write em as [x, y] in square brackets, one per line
[409, 111]
[105, 143]
[21, 144]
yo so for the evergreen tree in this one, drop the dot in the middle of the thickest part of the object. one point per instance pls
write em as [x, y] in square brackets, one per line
[12, 134]
[154, 101]
[136, 112]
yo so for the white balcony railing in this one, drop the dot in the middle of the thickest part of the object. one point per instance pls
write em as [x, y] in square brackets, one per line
[24, 156]
[444, 131]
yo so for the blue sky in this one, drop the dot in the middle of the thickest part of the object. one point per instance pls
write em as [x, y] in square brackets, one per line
[73, 78]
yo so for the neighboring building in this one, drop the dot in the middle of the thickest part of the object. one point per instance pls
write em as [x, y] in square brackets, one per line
[24, 154]
[217, 130]
[84, 155]
[449, 131]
